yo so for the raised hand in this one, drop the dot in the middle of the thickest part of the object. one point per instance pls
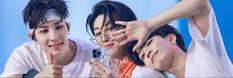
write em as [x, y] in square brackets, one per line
[135, 30]
[51, 69]
[98, 70]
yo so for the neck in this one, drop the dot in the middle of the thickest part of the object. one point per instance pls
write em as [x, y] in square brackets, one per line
[178, 67]
[69, 54]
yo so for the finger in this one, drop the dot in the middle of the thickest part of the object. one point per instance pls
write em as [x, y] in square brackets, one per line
[58, 76]
[56, 72]
[120, 37]
[96, 73]
[58, 67]
[124, 42]
[50, 58]
[100, 68]
[139, 44]
[93, 74]
[121, 23]
[118, 32]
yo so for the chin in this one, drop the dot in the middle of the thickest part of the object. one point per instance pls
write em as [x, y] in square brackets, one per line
[114, 52]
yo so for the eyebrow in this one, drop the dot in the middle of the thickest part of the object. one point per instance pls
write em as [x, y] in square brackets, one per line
[96, 28]
[58, 22]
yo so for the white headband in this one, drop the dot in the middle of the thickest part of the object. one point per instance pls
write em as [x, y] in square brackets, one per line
[51, 14]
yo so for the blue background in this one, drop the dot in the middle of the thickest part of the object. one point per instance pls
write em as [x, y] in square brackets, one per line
[13, 32]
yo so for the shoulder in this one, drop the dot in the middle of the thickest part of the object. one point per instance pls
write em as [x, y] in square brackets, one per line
[18, 62]
[26, 48]
[143, 71]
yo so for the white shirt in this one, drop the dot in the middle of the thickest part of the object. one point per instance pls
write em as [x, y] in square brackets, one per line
[28, 56]
[143, 72]
[207, 56]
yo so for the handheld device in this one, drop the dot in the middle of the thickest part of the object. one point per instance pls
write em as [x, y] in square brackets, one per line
[101, 54]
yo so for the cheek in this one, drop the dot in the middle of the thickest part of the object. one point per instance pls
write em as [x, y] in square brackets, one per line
[43, 46]
[166, 60]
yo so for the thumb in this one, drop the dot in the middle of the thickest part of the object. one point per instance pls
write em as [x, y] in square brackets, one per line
[138, 45]
[51, 58]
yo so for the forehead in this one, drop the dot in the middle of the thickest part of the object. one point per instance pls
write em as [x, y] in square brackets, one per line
[155, 38]
[50, 23]
[98, 23]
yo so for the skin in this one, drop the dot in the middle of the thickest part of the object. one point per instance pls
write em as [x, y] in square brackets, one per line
[52, 37]
[104, 39]
[140, 30]
[163, 54]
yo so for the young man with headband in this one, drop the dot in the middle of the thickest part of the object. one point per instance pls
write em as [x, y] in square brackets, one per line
[51, 53]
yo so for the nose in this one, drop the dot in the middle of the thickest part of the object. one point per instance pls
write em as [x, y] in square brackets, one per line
[105, 37]
[53, 35]
[148, 54]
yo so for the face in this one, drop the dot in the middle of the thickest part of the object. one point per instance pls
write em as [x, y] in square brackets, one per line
[102, 34]
[52, 37]
[158, 53]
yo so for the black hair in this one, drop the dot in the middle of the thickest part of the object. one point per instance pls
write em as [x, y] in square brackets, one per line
[114, 11]
[34, 12]
[164, 30]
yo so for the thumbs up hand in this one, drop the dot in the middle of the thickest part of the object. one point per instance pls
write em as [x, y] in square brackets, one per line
[52, 69]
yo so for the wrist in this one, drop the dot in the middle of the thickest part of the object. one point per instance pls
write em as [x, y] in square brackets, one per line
[148, 25]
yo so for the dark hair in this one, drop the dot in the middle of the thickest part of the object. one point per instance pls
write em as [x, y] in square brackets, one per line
[115, 11]
[34, 12]
[164, 30]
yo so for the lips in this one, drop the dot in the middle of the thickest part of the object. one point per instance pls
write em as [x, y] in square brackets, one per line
[56, 45]
[108, 45]
[152, 55]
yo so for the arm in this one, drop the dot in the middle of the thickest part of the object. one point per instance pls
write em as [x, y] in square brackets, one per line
[198, 9]
[140, 30]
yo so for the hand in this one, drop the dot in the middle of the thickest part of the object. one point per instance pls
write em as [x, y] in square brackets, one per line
[98, 70]
[51, 70]
[135, 30]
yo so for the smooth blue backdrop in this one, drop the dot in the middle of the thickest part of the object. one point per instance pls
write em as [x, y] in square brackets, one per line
[13, 32]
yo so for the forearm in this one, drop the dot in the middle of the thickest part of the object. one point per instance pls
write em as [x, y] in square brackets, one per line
[185, 8]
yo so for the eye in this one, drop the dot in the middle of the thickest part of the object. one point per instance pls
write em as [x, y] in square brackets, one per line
[43, 31]
[149, 42]
[97, 34]
[143, 56]
[59, 27]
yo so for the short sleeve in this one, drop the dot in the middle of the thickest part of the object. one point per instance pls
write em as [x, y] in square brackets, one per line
[143, 72]
[16, 63]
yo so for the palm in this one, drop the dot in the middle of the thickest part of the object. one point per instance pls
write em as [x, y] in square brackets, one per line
[135, 30]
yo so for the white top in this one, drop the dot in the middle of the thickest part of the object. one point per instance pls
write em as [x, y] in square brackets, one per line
[142, 72]
[27, 57]
[207, 56]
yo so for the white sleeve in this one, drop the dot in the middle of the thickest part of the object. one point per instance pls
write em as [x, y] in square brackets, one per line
[16, 63]
[212, 42]
[143, 72]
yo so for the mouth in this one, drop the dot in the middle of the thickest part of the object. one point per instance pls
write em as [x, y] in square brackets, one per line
[56, 45]
[153, 55]
[108, 45]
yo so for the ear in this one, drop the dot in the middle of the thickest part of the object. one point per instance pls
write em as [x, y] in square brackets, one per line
[172, 38]
[68, 25]
[30, 35]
